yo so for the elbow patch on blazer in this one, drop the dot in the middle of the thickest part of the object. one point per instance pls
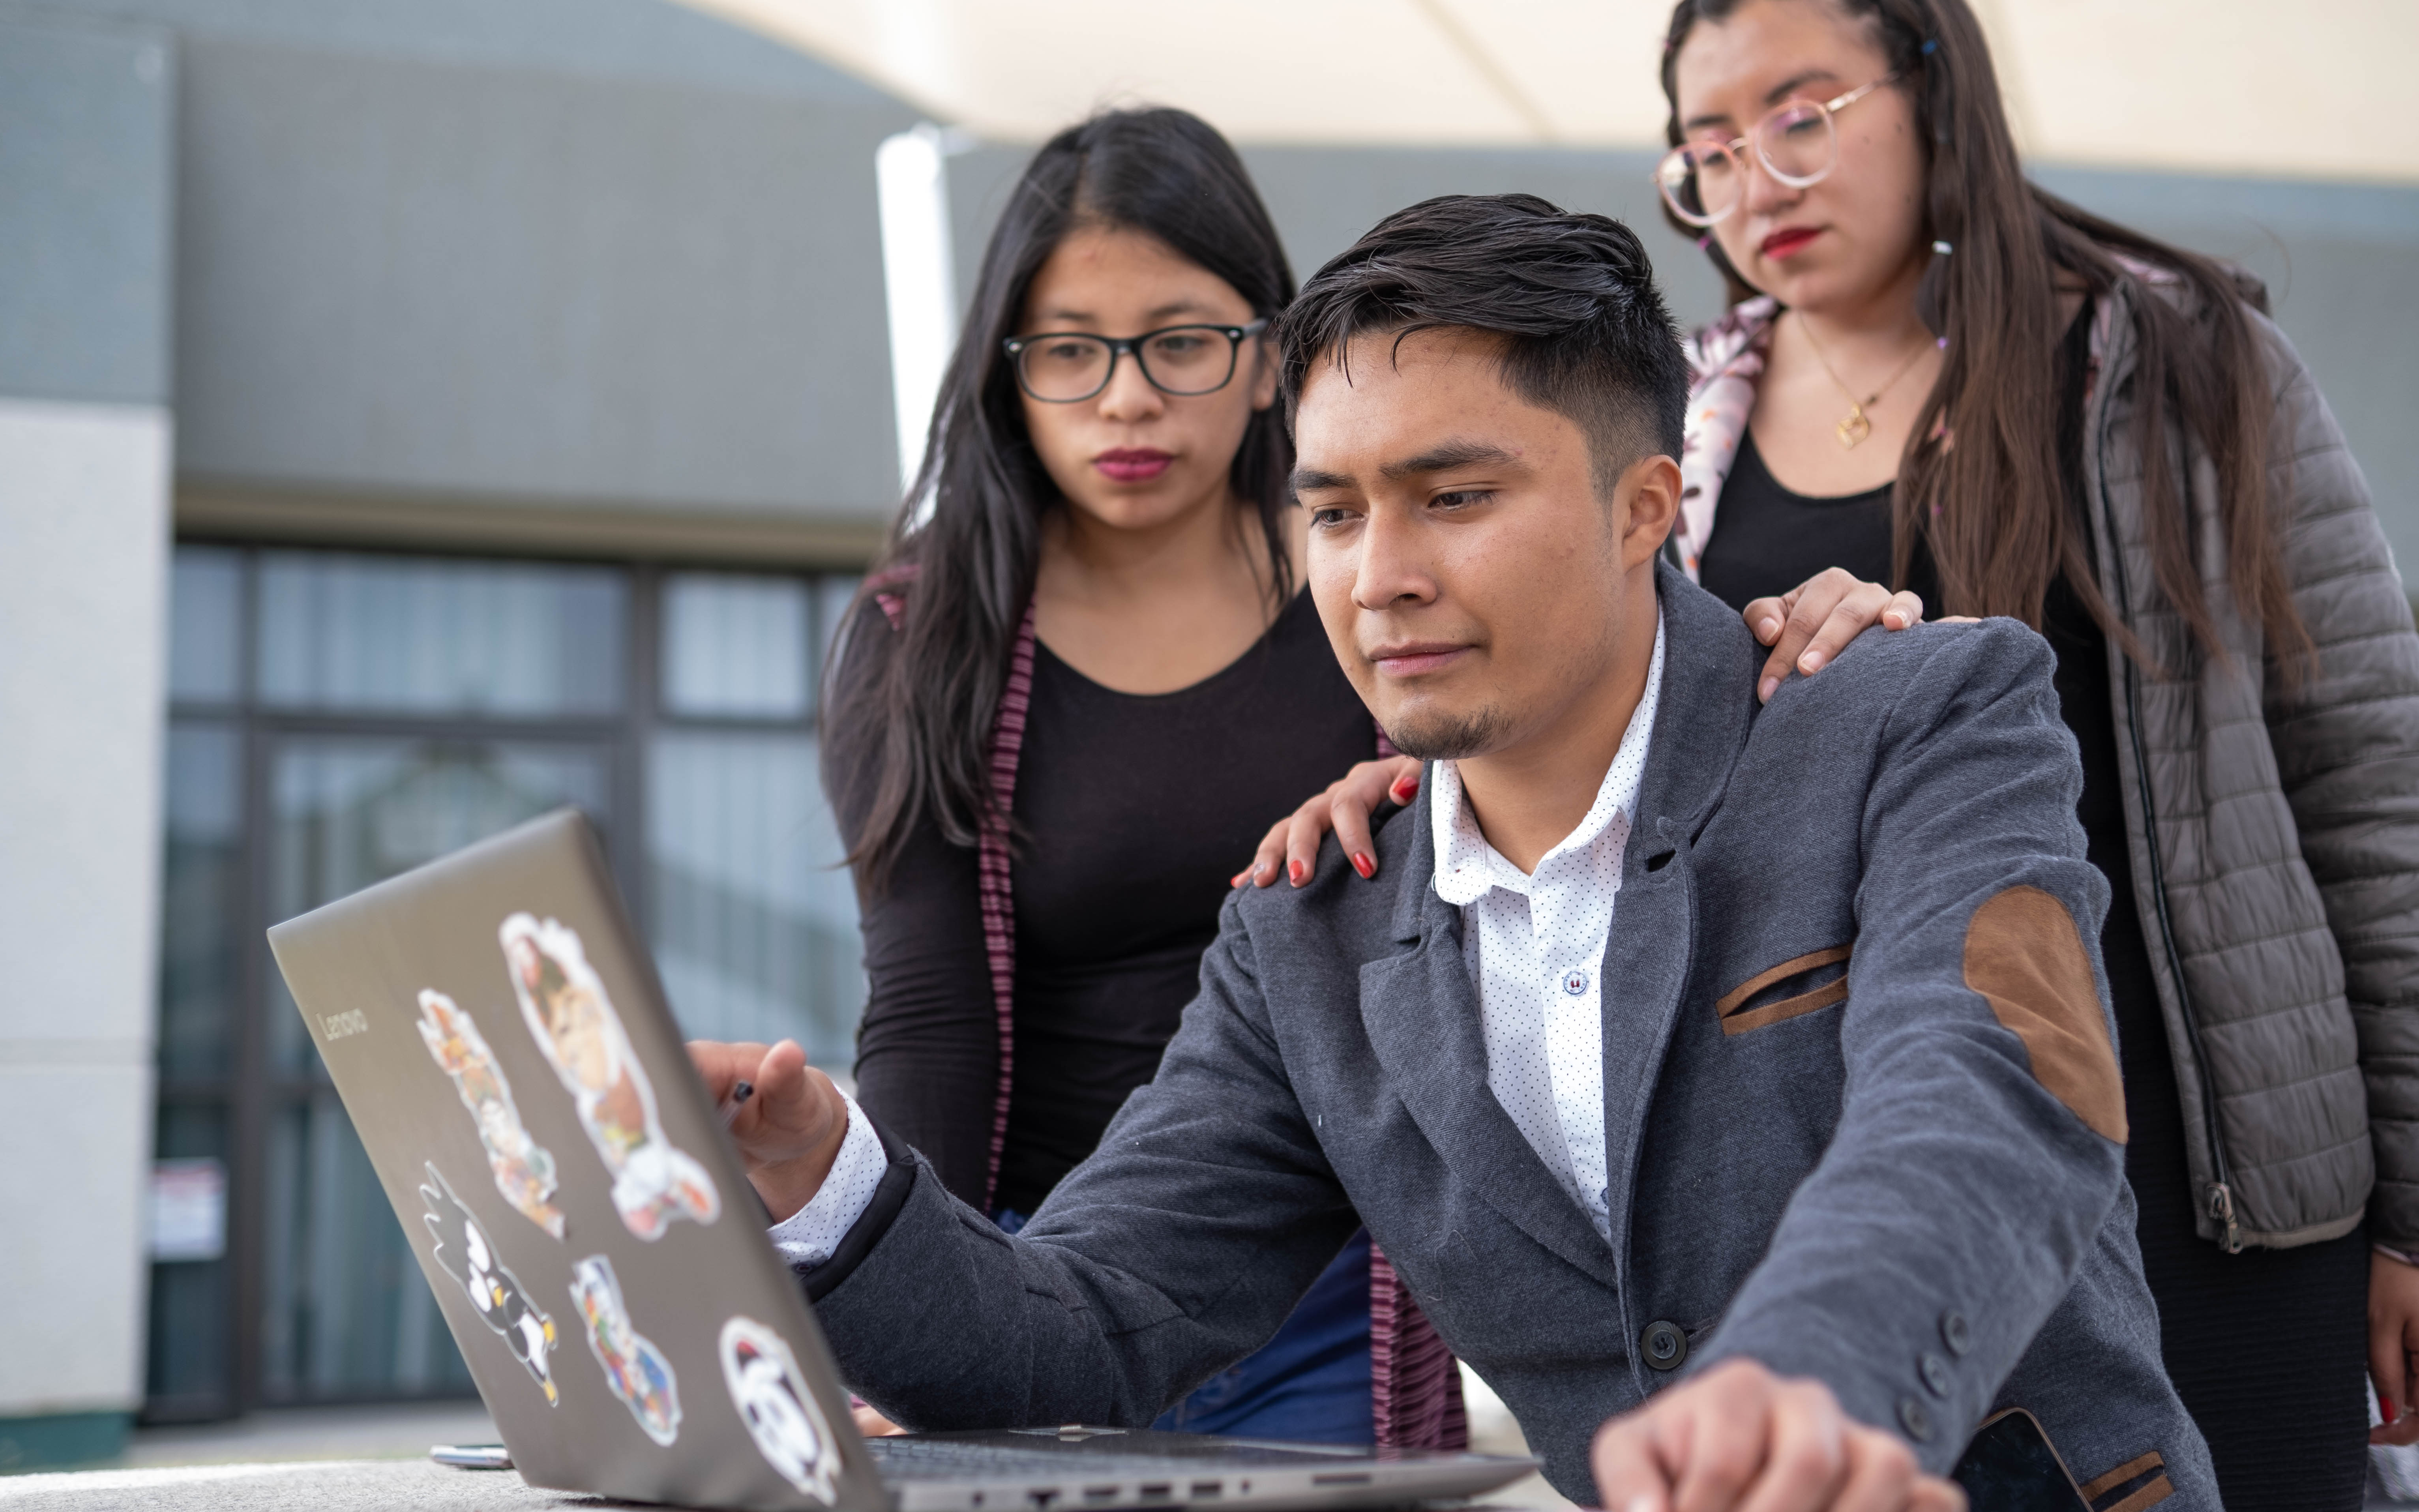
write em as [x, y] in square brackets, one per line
[2025, 958]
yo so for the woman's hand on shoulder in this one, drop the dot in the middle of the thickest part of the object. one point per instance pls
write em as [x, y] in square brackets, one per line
[1814, 622]
[1292, 843]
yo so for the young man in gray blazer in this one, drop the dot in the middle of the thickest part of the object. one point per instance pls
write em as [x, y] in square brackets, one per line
[1732, 1083]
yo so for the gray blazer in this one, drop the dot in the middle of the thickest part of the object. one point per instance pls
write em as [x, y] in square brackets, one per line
[1863, 1119]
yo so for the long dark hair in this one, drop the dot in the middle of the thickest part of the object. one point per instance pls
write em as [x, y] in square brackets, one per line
[1979, 483]
[920, 730]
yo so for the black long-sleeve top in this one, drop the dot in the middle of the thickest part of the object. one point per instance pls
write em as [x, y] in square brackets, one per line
[1135, 811]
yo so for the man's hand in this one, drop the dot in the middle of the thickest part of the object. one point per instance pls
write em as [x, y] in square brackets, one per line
[2393, 1341]
[1740, 1437]
[790, 1128]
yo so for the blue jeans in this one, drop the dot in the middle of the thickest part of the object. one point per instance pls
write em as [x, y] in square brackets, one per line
[1310, 1383]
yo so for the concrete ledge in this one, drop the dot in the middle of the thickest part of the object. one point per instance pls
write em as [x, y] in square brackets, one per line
[60, 1438]
[356, 1486]
[610, 532]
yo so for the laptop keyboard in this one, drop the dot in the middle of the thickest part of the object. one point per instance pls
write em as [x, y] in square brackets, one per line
[912, 1457]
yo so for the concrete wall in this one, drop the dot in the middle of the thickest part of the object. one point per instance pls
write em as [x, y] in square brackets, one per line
[85, 177]
[557, 264]
[401, 276]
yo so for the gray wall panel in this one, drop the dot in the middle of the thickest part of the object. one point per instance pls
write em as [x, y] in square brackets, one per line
[2339, 258]
[397, 275]
[1323, 199]
[2339, 261]
[643, 40]
[86, 201]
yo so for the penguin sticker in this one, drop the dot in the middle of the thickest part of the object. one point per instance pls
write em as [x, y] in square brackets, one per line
[463, 1249]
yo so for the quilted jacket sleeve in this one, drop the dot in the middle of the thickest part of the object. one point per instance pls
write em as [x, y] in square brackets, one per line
[2346, 735]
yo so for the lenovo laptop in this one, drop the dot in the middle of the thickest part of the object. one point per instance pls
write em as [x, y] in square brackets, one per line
[503, 1046]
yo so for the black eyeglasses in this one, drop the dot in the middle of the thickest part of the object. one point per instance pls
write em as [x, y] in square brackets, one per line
[1070, 366]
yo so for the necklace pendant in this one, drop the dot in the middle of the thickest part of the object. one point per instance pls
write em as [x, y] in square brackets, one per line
[1853, 429]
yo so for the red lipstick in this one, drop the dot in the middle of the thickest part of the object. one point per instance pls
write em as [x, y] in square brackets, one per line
[1133, 464]
[1788, 239]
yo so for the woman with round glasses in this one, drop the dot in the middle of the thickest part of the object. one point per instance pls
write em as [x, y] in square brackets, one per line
[1934, 375]
[1101, 606]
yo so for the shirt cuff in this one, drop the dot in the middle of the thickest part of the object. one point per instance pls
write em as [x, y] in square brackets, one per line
[808, 1237]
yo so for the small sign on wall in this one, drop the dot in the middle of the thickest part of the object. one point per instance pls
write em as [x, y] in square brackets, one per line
[188, 1210]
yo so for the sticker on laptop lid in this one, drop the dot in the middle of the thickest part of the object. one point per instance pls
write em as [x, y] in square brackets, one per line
[635, 1370]
[771, 1394]
[524, 1168]
[576, 1024]
[464, 1251]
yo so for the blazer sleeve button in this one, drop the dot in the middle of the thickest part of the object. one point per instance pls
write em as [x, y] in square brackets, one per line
[1663, 1346]
[1934, 1371]
[1914, 1417]
[1955, 1333]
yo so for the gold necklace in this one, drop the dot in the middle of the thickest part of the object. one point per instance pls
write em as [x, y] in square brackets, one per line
[1855, 427]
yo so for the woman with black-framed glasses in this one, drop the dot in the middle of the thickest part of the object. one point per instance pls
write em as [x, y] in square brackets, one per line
[1099, 611]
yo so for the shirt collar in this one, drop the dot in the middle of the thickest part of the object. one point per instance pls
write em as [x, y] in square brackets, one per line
[1467, 865]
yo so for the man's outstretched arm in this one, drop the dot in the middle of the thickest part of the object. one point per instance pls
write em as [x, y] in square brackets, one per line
[1979, 1146]
[1177, 1249]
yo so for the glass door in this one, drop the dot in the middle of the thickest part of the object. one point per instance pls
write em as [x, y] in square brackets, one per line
[345, 1312]
[336, 718]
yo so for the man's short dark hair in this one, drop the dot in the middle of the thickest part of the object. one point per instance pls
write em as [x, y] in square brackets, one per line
[1572, 297]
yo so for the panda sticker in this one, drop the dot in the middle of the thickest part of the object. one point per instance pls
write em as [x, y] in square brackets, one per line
[463, 1250]
[780, 1413]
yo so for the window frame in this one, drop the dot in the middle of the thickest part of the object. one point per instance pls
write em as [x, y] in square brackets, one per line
[249, 1093]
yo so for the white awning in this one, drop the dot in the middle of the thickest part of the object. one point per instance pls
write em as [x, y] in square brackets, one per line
[2315, 89]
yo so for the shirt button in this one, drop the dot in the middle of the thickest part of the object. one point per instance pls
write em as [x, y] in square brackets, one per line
[1575, 983]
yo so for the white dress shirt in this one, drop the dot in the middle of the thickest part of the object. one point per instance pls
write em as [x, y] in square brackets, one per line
[809, 1235]
[1534, 945]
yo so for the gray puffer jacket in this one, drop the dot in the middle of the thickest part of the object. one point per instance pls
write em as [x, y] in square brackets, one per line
[2279, 884]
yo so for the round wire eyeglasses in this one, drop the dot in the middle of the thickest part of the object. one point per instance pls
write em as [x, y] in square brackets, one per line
[1797, 143]
[1070, 366]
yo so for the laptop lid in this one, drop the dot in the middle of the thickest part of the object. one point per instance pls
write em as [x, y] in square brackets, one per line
[504, 1049]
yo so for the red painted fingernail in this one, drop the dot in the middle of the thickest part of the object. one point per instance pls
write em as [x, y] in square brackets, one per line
[1298, 871]
[1405, 790]
[1237, 880]
[1362, 864]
